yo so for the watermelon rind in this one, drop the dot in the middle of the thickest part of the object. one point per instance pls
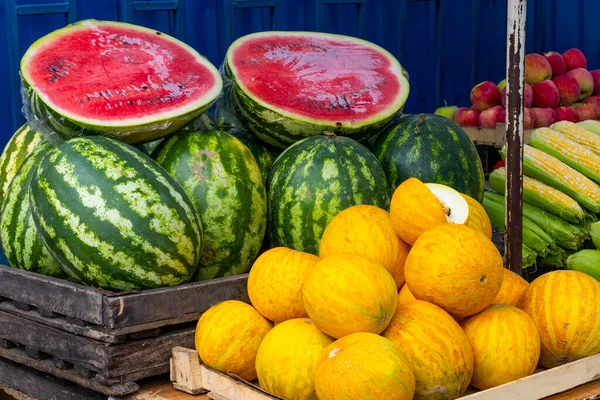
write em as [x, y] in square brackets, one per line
[224, 181]
[21, 242]
[314, 180]
[433, 149]
[112, 218]
[23, 142]
[281, 128]
[140, 129]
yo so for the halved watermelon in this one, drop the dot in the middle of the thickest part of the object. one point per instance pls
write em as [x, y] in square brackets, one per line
[118, 80]
[287, 86]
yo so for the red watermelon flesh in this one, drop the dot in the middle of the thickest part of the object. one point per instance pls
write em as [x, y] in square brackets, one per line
[320, 77]
[108, 75]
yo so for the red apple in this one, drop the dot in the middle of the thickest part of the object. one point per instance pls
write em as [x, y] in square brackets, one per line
[585, 111]
[585, 80]
[566, 113]
[557, 62]
[596, 75]
[492, 116]
[501, 84]
[537, 68]
[544, 117]
[568, 88]
[466, 117]
[485, 95]
[545, 94]
[574, 58]
[528, 119]
[527, 96]
[595, 100]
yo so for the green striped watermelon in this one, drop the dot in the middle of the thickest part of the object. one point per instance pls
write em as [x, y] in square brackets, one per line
[264, 156]
[286, 86]
[114, 219]
[20, 145]
[224, 181]
[431, 148]
[116, 79]
[314, 180]
[22, 244]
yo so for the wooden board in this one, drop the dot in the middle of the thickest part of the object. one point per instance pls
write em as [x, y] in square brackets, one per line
[105, 315]
[491, 137]
[537, 386]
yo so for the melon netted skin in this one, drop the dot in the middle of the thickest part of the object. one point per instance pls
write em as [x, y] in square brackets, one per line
[286, 86]
[115, 79]
[113, 218]
[314, 180]
[432, 149]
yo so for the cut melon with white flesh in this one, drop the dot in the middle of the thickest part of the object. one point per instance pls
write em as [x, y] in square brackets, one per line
[114, 79]
[455, 206]
[286, 86]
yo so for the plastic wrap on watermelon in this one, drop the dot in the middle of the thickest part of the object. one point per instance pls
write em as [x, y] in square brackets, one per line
[114, 79]
[286, 86]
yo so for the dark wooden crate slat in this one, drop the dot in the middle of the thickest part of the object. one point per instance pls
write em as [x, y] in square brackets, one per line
[60, 296]
[76, 349]
[89, 331]
[40, 368]
[178, 304]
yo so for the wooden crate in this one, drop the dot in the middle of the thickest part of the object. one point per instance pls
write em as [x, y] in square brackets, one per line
[491, 137]
[188, 374]
[101, 340]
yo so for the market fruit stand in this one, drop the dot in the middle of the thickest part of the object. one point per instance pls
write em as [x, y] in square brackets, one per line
[133, 222]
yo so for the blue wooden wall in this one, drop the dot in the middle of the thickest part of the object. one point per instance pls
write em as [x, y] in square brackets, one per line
[447, 46]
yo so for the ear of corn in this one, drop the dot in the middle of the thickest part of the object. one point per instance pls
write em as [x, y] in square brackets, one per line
[531, 238]
[591, 125]
[558, 175]
[595, 233]
[564, 234]
[568, 151]
[556, 258]
[528, 257]
[586, 261]
[578, 134]
[541, 195]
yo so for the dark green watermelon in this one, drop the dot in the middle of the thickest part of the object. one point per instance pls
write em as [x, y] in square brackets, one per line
[222, 178]
[314, 180]
[113, 218]
[431, 148]
[22, 244]
[265, 156]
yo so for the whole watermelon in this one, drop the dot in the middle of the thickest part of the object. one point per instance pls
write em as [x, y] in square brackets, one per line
[431, 148]
[314, 180]
[22, 244]
[222, 178]
[114, 219]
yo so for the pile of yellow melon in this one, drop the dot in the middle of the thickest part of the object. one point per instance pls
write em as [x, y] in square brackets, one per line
[335, 326]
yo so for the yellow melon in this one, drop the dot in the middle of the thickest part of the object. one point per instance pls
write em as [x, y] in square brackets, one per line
[346, 293]
[367, 231]
[275, 283]
[437, 347]
[287, 359]
[511, 290]
[565, 306]
[228, 336]
[478, 218]
[505, 343]
[456, 268]
[364, 366]
[405, 296]
[414, 209]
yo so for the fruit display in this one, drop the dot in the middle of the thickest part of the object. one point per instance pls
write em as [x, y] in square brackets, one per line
[455, 323]
[557, 87]
[366, 234]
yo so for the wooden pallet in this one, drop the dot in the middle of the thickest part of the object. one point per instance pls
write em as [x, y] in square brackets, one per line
[101, 340]
[189, 375]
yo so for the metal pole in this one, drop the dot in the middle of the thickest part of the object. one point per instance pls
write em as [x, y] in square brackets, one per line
[515, 69]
